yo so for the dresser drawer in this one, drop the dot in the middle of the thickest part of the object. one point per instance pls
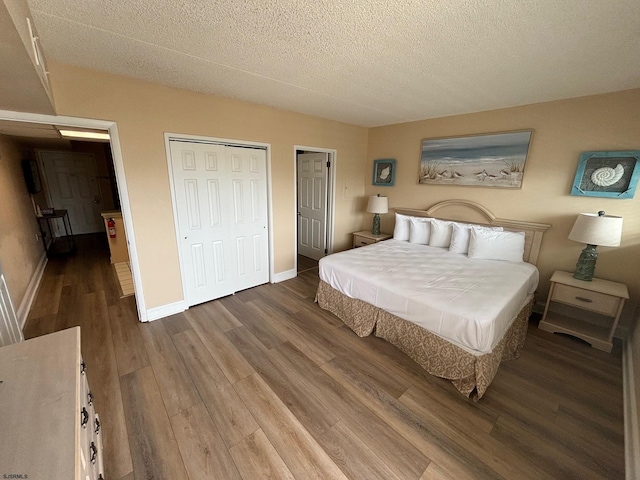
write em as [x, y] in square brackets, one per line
[587, 300]
[359, 241]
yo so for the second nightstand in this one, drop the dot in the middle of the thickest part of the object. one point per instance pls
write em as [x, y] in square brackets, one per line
[365, 237]
[598, 296]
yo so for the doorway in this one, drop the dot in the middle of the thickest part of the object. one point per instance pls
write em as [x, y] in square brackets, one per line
[49, 122]
[315, 175]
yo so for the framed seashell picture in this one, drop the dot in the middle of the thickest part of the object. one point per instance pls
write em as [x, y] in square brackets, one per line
[384, 172]
[607, 174]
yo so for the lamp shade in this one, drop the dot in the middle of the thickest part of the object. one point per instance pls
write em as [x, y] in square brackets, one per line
[597, 229]
[377, 204]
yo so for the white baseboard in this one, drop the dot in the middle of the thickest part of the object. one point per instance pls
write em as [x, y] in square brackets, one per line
[30, 294]
[631, 427]
[282, 276]
[163, 311]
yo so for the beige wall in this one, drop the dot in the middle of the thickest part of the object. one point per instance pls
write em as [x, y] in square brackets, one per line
[20, 252]
[561, 131]
[144, 111]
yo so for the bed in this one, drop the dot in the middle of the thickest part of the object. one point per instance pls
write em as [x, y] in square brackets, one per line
[457, 305]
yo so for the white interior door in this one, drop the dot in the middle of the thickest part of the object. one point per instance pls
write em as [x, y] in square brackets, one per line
[73, 186]
[10, 331]
[221, 208]
[312, 204]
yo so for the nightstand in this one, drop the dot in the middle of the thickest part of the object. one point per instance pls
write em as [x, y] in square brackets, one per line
[365, 237]
[598, 296]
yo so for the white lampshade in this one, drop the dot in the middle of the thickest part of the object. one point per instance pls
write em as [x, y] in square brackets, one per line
[377, 204]
[594, 229]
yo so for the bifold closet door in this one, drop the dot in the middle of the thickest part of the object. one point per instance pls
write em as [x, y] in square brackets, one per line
[221, 201]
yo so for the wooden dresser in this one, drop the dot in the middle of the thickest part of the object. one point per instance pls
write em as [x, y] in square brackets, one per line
[48, 425]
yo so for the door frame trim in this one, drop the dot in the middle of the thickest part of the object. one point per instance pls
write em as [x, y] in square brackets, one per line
[331, 196]
[121, 183]
[168, 136]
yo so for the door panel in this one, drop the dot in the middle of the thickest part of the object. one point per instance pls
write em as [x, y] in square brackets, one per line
[215, 215]
[312, 204]
[249, 179]
[221, 201]
[73, 186]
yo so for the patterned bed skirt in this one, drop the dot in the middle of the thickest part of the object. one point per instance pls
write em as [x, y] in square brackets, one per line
[470, 374]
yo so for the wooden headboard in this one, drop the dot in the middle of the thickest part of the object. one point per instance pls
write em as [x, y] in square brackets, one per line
[472, 212]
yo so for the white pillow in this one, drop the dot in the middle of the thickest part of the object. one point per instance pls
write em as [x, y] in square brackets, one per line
[401, 229]
[461, 234]
[440, 233]
[491, 245]
[419, 231]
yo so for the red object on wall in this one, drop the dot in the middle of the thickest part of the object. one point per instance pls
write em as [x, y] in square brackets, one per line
[111, 228]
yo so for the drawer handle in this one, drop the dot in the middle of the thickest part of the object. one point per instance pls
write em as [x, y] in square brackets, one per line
[93, 454]
[363, 243]
[84, 417]
[83, 367]
[97, 425]
[583, 299]
[90, 398]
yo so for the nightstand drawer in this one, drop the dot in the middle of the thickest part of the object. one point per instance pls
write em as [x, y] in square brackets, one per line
[587, 300]
[359, 241]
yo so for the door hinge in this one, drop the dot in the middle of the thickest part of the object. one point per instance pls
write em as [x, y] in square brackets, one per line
[326, 251]
[328, 164]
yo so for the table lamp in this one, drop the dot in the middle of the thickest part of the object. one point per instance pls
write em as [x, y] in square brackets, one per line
[594, 229]
[377, 205]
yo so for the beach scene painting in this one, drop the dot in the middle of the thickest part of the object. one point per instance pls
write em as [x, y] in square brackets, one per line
[492, 160]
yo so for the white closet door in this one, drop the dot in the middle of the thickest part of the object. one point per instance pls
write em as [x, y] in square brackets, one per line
[249, 215]
[221, 200]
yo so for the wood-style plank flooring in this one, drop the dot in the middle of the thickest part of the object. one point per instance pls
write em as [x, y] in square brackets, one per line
[265, 384]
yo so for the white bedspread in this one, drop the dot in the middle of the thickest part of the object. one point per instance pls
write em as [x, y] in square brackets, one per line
[469, 302]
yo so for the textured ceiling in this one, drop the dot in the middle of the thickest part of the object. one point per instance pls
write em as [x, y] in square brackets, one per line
[365, 62]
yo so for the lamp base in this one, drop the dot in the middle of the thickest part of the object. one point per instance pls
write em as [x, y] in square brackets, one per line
[376, 224]
[586, 266]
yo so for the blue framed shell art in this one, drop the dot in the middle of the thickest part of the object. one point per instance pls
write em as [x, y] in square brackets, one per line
[607, 174]
[384, 172]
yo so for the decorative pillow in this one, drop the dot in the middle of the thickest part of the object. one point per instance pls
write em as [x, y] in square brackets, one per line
[420, 230]
[440, 233]
[461, 234]
[491, 245]
[401, 230]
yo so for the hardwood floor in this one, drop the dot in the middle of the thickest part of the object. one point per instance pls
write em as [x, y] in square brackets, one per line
[265, 384]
